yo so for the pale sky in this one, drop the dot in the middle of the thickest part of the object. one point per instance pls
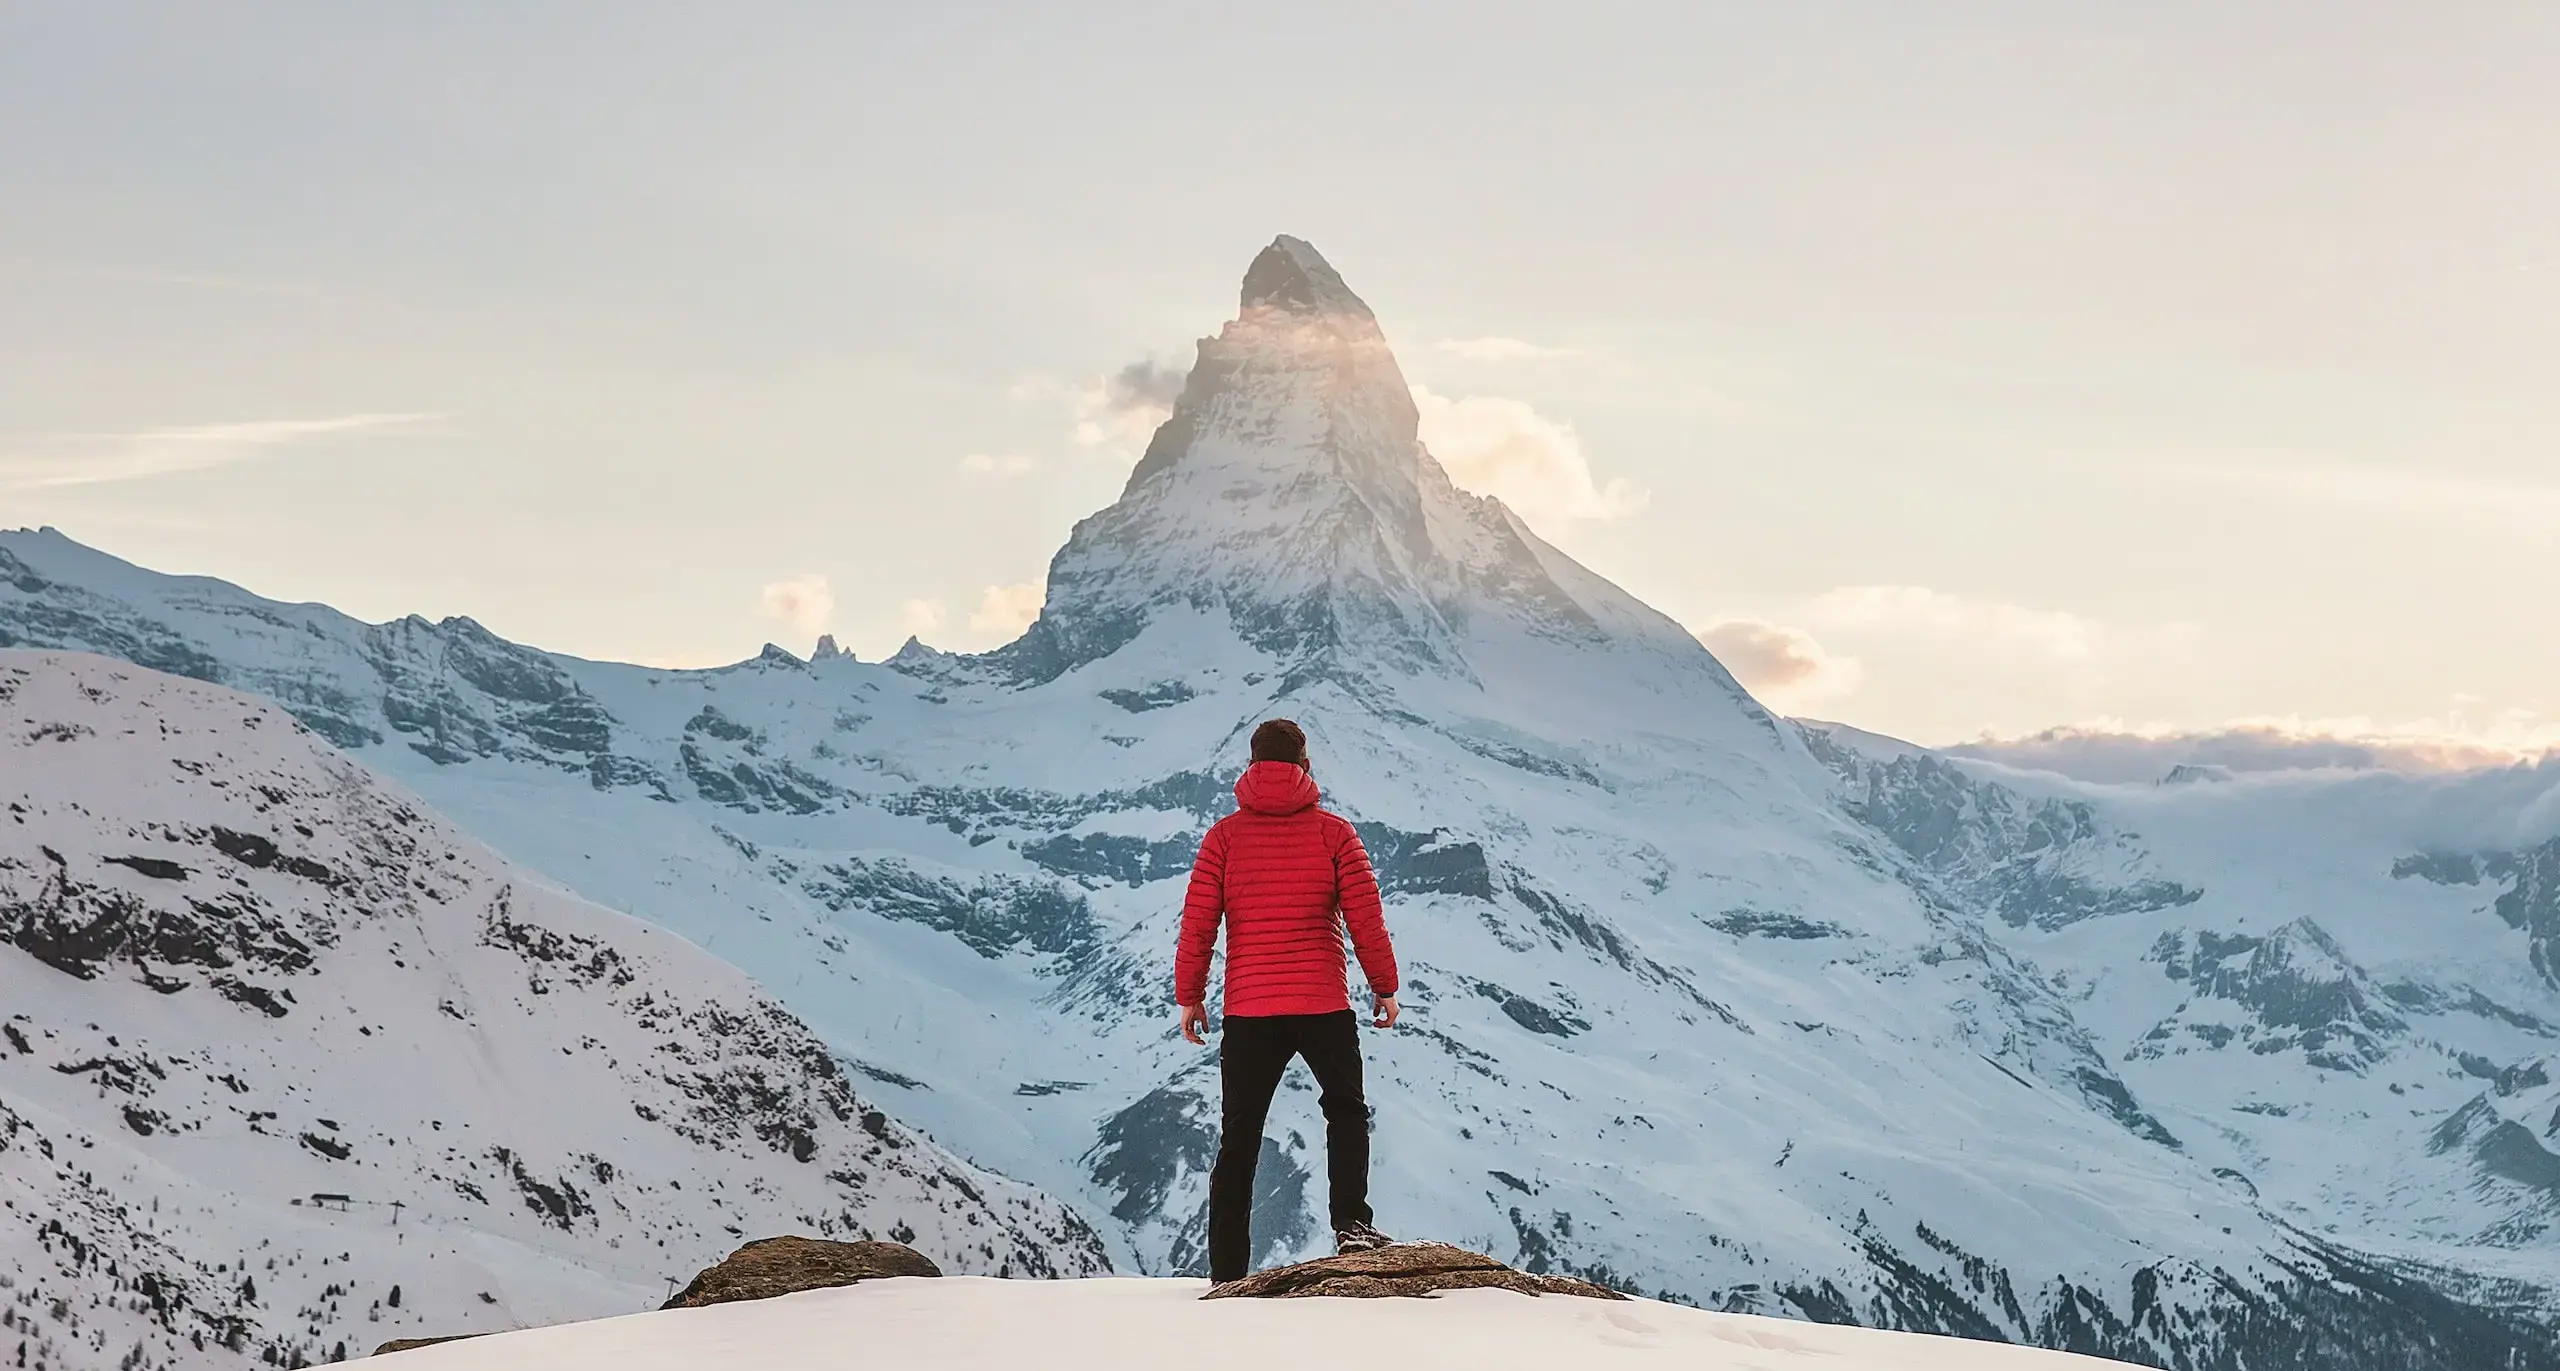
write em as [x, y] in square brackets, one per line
[1952, 367]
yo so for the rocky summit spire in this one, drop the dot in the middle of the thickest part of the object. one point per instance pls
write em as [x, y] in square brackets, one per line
[1301, 347]
[1291, 275]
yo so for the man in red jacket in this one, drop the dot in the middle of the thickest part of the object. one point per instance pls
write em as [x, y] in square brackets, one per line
[1287, 877]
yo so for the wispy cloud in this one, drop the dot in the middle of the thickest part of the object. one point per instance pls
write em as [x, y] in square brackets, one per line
[1501, 350]
[1126, 407]
[82, 459]
[2395, 491]
[806, 603]
[1534, 464]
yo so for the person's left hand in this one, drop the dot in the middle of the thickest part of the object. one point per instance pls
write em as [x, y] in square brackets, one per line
[1387, 1012]
[1195, 1022]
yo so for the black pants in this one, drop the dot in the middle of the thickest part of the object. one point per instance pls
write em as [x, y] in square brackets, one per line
[1252, 1056]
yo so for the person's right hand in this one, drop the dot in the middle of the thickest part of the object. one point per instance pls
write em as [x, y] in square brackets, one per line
[1195, 1023]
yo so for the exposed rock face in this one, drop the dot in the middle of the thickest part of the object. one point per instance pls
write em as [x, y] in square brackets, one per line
[1407, 1268]
[787, 1265]
[2293, 989]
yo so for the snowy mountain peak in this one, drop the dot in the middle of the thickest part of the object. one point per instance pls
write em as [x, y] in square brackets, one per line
[1289, 498]
[1302, 376]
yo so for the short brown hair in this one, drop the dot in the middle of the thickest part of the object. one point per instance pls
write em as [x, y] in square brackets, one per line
[1280, 740]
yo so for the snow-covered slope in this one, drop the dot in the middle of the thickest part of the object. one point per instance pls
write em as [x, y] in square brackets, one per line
[2342, 989]
[1691, 1009]
[1110, 1325]
[288, 1064]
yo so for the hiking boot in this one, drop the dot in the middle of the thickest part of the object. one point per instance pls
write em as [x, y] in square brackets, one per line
[1359, 1237]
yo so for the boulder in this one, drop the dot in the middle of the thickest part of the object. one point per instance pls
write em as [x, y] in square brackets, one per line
[781, 1266]
[404, 1344]
[1405, 1268]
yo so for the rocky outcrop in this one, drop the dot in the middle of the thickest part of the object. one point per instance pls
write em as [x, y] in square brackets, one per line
[412, 1344]
[2295, 988]
[787, 1265]
[1406, 1268]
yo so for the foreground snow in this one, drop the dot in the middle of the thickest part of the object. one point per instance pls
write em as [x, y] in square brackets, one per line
[962, 1323]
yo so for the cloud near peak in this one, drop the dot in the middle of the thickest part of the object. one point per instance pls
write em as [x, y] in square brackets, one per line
[922, 616]
[1128, 405]
[1787, 668]
[1508, 450]
[1005, 611]
[1002, 614]
[807, 603]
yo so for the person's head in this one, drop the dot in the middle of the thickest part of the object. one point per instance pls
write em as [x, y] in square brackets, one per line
[1280, 740]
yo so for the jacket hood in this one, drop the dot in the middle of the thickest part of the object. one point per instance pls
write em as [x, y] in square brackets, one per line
[1276, 788]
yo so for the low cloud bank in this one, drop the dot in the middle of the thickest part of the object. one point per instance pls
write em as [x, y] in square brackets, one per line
[2114, 753]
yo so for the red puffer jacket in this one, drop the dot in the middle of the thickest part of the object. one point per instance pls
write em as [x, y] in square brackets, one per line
[1287, 877]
